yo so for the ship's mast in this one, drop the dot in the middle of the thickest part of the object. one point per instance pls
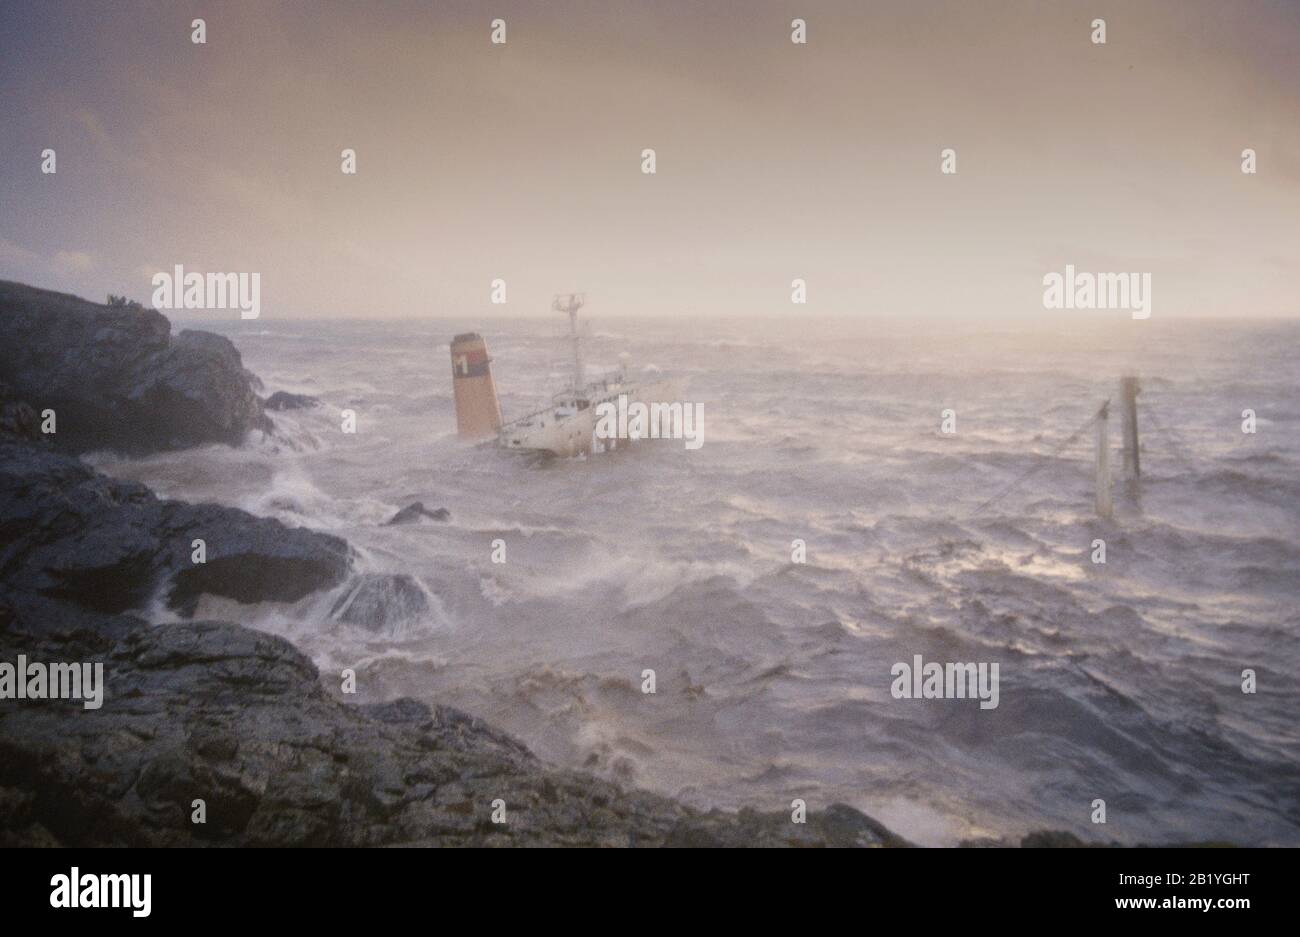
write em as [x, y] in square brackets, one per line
[570, 303]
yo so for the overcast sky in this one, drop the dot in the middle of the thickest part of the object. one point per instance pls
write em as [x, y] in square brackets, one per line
[774, 160]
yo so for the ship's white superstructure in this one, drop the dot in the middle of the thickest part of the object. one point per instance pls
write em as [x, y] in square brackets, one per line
[567, 426]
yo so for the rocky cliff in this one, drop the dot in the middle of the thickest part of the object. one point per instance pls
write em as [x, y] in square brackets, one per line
[116, 378]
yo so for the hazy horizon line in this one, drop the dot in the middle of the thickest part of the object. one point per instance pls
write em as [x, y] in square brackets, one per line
[934, 316]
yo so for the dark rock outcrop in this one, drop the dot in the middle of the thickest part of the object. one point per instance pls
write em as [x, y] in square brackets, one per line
[283, 400]
[116, 378]
[69, 532]
[416, 510]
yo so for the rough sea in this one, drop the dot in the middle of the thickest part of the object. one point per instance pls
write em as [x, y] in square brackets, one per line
[1120, 682]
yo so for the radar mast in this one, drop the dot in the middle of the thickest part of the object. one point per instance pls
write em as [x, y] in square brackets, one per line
[570, 303]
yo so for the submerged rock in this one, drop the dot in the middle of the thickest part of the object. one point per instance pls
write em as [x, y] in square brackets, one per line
[117, 379]
[383, 604]
[416, 510]
[283, 400]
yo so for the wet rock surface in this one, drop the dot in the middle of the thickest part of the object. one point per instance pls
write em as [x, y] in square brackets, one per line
[384, 604]
[117, 379]
[69, 532]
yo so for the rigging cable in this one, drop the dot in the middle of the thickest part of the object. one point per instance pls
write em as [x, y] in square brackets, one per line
[1042, 462]
[1175, 444]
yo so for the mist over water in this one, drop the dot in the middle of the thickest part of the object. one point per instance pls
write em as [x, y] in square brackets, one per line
[1119, 682]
